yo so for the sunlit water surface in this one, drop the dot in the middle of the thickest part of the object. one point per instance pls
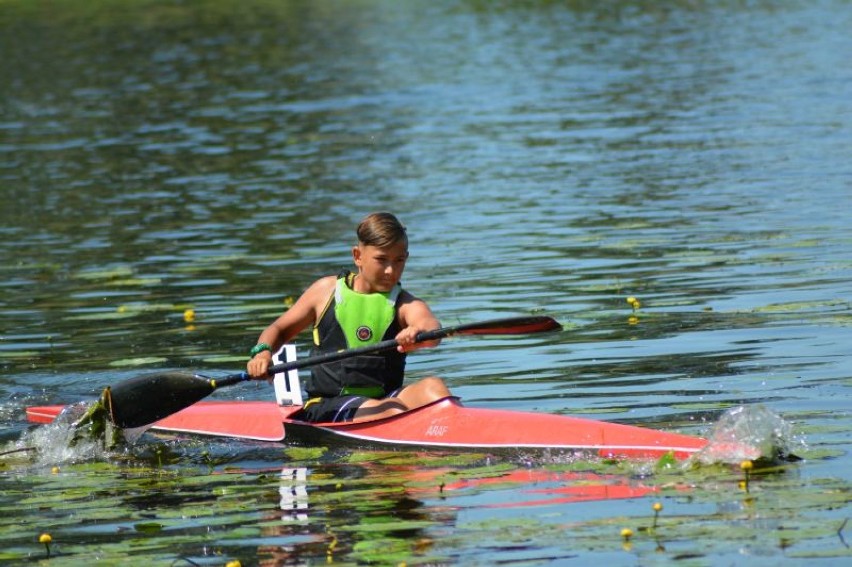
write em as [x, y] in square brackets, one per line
[554, 158]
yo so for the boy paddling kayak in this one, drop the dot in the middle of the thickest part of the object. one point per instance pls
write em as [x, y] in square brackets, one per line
[353, 310]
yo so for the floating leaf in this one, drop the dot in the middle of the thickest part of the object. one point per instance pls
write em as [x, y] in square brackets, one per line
[144, 361]
[225, 359]
[799, 306]
[135, 282]
[117, 272]
[666, 461]
[103, 316]
[305, 453]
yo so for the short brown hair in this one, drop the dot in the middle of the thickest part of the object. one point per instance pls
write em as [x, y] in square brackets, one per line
[381, 230]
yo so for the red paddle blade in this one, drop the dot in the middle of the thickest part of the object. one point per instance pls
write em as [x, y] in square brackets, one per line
[509, 326]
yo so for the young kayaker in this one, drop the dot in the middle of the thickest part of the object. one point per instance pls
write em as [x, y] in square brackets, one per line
[352, 310]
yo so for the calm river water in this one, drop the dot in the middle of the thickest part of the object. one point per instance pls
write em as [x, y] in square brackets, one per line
[547, 157]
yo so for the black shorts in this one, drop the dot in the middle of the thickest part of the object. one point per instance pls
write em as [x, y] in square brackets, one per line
[339, 408]
[336, 409]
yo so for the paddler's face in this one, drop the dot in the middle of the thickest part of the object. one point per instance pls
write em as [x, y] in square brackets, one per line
[379, 268]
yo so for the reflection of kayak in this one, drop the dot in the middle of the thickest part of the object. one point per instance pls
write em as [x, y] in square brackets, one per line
[529, 487]
[444, 424]
[537, 487]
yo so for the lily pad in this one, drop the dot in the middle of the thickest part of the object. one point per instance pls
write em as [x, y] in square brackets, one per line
[117, 272]
[144, 361]
[135, 282]
[225, 359]
[305, 453]
[103, 316]
[148, 527]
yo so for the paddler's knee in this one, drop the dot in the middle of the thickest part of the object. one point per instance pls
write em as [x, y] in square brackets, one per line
[435, 387]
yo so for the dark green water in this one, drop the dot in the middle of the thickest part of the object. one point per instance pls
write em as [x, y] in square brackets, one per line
[547, 157]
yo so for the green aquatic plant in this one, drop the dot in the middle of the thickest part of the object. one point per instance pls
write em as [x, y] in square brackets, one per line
[667, 461]
[46, 539]
[634, 303]
[657, 507]
[96, 425]
[747, 467]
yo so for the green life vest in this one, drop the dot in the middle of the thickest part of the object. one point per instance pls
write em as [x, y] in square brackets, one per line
[351, 320]
[364, 317]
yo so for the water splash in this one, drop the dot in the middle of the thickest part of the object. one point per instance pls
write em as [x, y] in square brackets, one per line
[82, 432]
[750, 433]
[55, 443]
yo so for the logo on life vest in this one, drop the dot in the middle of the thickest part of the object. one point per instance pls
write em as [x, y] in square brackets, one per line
[364, 333]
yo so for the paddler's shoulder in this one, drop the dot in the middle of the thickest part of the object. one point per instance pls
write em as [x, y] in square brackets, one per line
[323, 286]
[406, 296]
[317, 296]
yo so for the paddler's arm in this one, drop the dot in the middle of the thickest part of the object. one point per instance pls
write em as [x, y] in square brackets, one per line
[297, 318]
[415, 316]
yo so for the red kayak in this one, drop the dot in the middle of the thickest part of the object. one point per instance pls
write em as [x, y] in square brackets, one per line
[171, 402]
[444, 424]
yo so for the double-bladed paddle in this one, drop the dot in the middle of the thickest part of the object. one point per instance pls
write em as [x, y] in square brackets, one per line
[143, 400]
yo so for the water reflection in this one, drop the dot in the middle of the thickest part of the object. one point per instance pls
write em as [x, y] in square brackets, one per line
[408, 504]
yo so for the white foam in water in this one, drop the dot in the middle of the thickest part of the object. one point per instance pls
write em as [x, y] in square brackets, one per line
[53, 444]
[749, 433]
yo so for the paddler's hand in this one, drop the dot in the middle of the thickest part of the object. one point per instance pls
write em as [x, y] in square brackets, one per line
[407, 340]
[259, 364]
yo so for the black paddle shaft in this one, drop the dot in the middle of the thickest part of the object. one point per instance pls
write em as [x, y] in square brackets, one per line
[145, 399]
[509, 326]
